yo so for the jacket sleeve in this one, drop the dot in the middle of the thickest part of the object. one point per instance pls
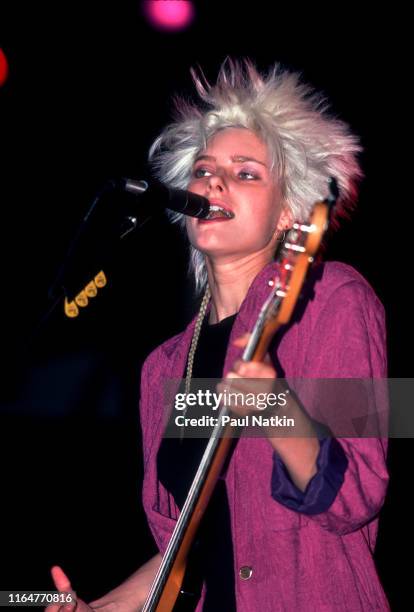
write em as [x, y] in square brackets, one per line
[347, 341]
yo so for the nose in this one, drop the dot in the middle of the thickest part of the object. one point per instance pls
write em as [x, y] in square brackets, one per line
[216, 181]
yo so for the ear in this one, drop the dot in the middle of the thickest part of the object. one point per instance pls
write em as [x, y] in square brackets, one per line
[285, 220]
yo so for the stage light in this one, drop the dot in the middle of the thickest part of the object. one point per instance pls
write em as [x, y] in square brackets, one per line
[171, 15]
[4, 68]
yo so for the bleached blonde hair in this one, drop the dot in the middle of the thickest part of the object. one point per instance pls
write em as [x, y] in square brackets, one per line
[307, 145]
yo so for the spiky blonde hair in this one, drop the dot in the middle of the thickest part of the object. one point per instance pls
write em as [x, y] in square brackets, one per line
[307, 145]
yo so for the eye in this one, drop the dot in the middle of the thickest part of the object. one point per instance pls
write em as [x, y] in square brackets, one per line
[247, 175]
[199, 172]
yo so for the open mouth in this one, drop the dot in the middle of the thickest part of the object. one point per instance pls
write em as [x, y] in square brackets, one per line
[217, 212]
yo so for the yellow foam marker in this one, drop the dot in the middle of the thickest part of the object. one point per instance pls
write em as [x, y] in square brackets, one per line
[100, 279]
[91, 290]
[82, 299]
[71, 310]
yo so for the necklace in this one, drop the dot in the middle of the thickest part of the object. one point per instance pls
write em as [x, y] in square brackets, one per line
[195, 338]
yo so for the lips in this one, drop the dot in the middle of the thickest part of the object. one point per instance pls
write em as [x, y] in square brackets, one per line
[219, 211]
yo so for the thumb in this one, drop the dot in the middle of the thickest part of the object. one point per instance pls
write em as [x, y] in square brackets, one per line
[60, 579]
[63, 585]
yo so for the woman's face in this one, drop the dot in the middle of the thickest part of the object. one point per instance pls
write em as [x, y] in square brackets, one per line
[234, 172]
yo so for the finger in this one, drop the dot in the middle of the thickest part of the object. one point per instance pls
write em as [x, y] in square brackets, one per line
[229, 384]
[68, 607]
[63, 585]
[245, 368]
[238, 366]
[255, 369]
[267, 359]
[233, 374]
[242, 340]
[60, 579]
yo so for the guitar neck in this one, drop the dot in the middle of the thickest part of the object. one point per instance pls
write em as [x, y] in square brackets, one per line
[261, 336]
[172, 567]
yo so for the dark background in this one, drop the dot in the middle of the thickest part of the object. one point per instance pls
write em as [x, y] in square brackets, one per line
[90, 87]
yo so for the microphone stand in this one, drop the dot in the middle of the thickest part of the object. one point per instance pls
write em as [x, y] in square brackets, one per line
[83, 263]
[70, 278]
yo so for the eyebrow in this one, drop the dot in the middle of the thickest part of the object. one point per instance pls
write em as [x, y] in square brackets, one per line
[234, 158]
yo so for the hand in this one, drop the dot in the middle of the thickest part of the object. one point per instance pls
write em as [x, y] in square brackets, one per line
[63, 585]
[129, 596]
[251, 370]
[298, 453]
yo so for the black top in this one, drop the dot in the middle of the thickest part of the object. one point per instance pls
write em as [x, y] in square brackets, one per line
[177, 463]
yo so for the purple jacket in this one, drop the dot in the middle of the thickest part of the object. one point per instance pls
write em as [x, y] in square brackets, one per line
[303, 551]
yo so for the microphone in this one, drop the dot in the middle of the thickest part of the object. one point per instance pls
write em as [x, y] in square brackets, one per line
[179, 200]
[103, 227]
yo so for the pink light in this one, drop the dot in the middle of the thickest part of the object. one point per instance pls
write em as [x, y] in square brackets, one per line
[4, 68]
[169, 14]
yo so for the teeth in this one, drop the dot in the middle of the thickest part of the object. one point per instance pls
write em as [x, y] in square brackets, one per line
[215, 208]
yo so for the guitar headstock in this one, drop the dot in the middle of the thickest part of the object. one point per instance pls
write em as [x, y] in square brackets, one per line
[297, 254]
[294, 258]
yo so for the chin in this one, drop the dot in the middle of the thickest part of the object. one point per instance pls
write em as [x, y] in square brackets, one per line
[204, 242]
